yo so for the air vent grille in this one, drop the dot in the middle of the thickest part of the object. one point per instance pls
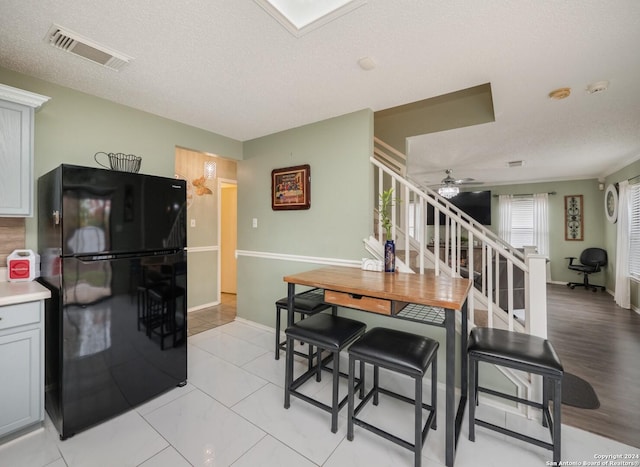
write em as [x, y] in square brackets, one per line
[69, 41]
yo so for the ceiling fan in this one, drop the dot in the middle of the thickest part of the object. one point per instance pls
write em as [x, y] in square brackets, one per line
[449, 186]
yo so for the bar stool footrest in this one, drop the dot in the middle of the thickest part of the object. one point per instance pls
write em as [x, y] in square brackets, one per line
[520, 400]
[399, 441]
[514, 434]
[307, 375]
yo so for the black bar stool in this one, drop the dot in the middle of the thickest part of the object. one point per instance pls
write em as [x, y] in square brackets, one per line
[521, 352]
[306, 303]
[325, 332]
[404, 353]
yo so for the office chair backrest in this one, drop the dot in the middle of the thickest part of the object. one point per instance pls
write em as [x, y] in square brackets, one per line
[594, 257]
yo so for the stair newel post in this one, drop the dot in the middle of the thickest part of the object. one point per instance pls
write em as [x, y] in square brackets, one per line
[536, 295]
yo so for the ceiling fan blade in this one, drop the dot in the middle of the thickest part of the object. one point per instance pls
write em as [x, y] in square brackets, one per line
[465, 180]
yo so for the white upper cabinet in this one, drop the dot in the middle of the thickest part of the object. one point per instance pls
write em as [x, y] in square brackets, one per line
[17, 109]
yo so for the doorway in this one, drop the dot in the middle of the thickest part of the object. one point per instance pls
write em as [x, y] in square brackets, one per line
[227, 225]
[205, 174]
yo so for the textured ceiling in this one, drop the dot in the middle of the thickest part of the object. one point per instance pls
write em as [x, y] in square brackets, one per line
[228, 67]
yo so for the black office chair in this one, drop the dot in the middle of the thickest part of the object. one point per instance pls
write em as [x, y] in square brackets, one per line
[592, 259]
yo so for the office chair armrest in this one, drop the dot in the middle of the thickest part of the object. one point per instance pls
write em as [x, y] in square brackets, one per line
[570, 258]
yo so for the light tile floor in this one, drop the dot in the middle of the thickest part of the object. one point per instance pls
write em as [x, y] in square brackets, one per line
[231, 413]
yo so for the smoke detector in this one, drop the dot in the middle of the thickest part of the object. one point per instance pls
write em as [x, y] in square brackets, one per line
[598, 86]
[367, 63]
[69, 41]
[559, 94]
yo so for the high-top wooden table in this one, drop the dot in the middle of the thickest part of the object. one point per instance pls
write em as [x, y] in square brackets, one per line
[428, 299]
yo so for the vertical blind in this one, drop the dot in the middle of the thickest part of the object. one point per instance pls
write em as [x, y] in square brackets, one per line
[634, 231]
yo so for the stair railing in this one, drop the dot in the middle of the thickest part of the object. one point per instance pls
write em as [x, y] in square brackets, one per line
[506, 306]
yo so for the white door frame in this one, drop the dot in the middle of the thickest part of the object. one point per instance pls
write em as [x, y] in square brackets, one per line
[221, 181]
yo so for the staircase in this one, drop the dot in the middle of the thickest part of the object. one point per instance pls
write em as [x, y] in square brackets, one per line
[509, 285]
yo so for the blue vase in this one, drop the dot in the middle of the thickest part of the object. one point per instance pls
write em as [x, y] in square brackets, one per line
[389, 256]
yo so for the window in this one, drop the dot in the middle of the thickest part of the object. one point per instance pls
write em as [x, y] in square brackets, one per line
[634, 231]
[522, 222]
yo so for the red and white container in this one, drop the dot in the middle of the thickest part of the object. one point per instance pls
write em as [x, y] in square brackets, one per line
[23, 265]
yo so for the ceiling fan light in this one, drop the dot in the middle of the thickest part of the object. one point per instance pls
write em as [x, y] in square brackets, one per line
[448, 191]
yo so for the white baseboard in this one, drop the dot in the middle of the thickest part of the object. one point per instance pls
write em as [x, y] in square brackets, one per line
[254, 324]
[203, 306]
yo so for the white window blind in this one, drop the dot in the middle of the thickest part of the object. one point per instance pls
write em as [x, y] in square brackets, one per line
[522, 221]
[634, 231]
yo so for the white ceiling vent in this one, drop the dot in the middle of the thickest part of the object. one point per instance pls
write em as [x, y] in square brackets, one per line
[512, 164]
[70, 41]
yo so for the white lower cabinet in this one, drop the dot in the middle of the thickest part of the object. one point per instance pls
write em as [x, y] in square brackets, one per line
[21, 367]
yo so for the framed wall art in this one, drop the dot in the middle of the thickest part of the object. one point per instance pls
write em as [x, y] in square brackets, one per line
[574, 218]
[291, 188]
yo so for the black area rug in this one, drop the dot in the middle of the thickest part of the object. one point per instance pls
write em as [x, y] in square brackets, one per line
[577, 392]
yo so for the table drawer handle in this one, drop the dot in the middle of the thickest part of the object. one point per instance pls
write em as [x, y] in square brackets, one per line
[355, 296]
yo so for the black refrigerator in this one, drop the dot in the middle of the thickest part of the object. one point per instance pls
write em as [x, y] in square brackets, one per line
[112, 251]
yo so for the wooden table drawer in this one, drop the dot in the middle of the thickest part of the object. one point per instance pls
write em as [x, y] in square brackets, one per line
[362, 302]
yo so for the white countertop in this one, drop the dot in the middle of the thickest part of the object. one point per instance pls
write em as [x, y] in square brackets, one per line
[20, 292]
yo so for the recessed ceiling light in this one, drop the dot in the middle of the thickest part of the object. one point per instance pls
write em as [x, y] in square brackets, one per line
[561, 93]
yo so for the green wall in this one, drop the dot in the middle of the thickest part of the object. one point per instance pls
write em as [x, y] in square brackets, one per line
[559, 248]
[341, 213]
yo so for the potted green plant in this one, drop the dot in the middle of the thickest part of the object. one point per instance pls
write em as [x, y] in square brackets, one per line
[387, 202]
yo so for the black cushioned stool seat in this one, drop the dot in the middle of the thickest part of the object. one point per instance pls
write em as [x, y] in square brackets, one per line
[401, 352]
[521, 352]
[305, 303]
[325, 332]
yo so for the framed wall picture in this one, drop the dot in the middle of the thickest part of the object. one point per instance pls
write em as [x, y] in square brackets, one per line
[574, 218]
[291, 188]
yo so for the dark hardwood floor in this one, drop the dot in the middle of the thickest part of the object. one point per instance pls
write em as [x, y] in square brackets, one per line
[599, 342]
